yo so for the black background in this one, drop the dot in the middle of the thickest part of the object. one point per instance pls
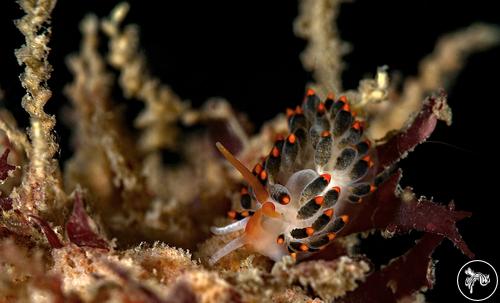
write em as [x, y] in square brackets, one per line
[247, 53]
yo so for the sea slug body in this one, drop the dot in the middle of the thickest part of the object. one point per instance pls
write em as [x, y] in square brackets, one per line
[292, 203]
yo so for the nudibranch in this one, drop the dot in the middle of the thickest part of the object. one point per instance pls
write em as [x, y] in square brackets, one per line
[293, 202]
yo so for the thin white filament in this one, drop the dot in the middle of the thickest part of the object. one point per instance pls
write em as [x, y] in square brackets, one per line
[238, 225]
[229, 247]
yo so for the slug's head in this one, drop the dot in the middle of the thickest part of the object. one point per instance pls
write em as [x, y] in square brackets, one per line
[263, 230]
[261, 227]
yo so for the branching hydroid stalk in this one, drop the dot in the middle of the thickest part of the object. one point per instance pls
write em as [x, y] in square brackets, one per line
[43, 171]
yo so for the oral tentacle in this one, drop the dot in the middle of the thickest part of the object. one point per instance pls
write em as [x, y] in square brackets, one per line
[259, 190]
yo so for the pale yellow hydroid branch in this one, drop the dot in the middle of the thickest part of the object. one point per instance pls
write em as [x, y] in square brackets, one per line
[436, 71]
[43, 169]
[324, 50]
[163, 107]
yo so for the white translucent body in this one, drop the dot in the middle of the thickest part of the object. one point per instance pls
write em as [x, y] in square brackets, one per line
[266, 243]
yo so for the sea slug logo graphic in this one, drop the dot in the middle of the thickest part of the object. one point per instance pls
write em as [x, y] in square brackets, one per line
[477, 280]
[475, 276]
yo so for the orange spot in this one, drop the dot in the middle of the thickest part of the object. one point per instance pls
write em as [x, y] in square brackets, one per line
[280, 240]
[330, 96]
[346, 107]
[294, 256]
[310, 92]
[356, 125]
[263, 175]
[244, 190]
[319, 200]
[328, 212]
[321, 108]
[292, 139]
[331, 236]
[373, 188]
[325, 134]
[343, 99]
[327, 177]
[345, 218]
[245, 213]
[298, 110]
[257, 169]
[231, 214]
[275, 152]
[336, 188]
[285, 199]
[289, 112]
[304, 247]
[368, 159]
[309, 231]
